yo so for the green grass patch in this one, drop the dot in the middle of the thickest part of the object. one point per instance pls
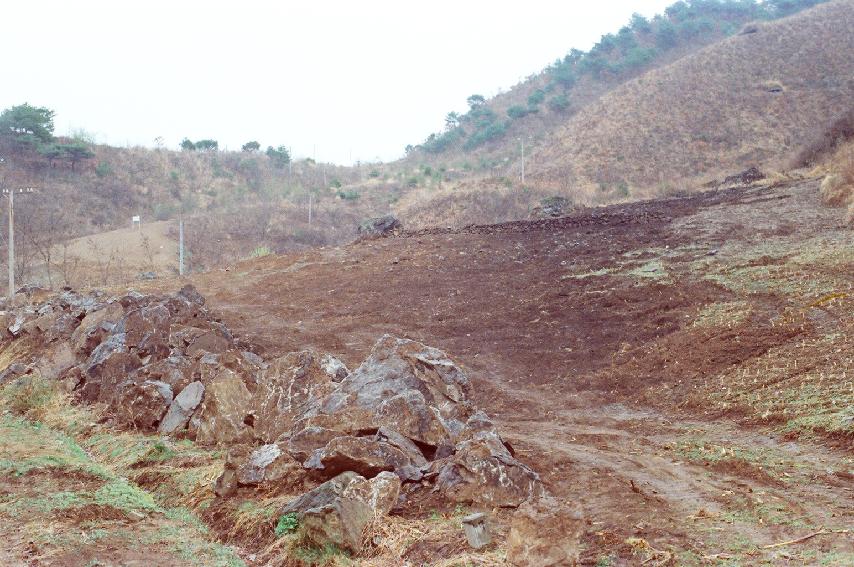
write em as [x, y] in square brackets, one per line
[287, 524]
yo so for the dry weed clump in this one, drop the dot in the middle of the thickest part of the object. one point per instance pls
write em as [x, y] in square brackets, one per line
[837, 189]
[33, 397]
[839, 131]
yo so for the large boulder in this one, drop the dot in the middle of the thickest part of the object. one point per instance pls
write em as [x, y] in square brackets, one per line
[339, 510]
[142, 403]
[289, 388]
[109, 365]
[482, 471]
[403, 385]
[225, 413]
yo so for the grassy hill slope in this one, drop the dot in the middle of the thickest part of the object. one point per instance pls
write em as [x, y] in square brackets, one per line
[749, 100]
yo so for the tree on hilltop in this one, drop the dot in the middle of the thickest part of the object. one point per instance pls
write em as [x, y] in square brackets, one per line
[250, 147]
[207, 145]
[475, 101]
[27, 125]
[279, 156]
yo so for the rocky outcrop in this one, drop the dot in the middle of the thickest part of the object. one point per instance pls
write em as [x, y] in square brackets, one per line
[552, 207]
[379, 226]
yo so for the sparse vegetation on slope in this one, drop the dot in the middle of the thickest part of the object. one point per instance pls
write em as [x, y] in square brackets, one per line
[544, 100]
[749, 100]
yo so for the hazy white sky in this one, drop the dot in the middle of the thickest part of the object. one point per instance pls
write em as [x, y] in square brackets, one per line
[342, 80]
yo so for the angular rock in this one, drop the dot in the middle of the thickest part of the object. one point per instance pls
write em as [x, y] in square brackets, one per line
[191, 294]
[363, 455]
[41, 323]
[222, 416]
[289, 388]
[182, 408]
[95, 327]
[175, 370]
[305, 442]
[147, 331]
[142, 403]
[745, 178]
[267, 464]
[380, 492]
[484, 472]
[394, 438]
[334, 368]
[226, 484]
[212, 340]
[107, 367]
[338, 511]
[62, 328]
[253, 471]
[552, 207]
[56, 359]
[16, 328]
[14, 370]
[476, 529]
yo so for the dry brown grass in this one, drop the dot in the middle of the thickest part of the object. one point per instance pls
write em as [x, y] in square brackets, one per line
[711, 114]
[486, 201]
[837, 189]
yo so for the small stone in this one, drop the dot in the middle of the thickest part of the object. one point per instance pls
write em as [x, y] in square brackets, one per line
[477, 530]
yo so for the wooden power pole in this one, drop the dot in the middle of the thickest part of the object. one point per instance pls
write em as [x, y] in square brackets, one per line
[10, 194]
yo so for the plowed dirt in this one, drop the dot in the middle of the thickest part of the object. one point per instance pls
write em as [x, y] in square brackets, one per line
[596, 341]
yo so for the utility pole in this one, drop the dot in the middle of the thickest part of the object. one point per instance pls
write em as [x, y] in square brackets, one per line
[10, 193]
[181, 245]
[309, 208]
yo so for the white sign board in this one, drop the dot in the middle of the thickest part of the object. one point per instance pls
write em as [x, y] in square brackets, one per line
[135, 219]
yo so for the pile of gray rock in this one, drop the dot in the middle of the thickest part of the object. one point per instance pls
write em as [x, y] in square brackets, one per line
[361, 441]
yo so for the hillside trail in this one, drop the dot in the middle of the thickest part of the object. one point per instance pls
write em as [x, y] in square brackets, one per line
[538, 312]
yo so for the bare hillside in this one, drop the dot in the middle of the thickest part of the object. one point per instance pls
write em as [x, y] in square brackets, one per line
[752, 99]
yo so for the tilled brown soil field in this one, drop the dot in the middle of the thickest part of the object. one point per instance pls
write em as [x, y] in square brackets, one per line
[679, 370]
